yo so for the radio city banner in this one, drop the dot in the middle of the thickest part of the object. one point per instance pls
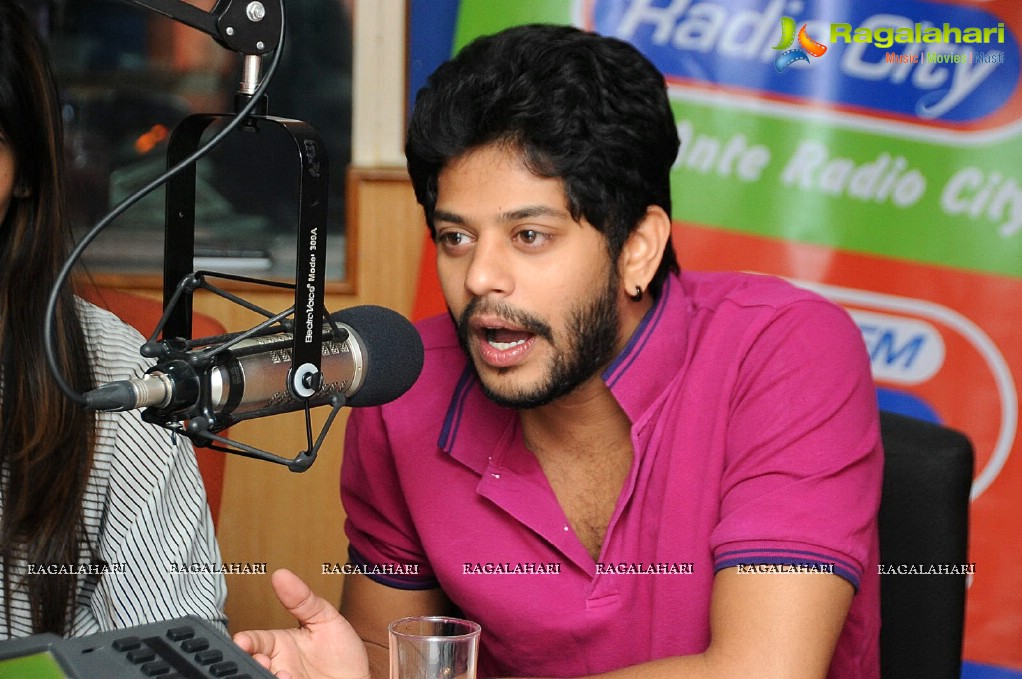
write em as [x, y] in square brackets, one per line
[871, 150]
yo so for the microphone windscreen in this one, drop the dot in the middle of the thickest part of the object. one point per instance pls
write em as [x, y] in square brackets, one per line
[394, 353]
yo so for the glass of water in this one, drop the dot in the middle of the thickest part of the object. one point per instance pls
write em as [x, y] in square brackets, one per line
[433, 647]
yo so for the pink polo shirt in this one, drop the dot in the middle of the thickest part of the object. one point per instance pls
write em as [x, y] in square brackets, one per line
[756, 439]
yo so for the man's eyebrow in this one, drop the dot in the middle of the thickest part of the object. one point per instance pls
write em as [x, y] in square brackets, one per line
[517, 214]
[444, 216]
[530, 211]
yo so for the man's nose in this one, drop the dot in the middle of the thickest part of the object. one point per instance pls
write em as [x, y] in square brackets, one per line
[490, 270]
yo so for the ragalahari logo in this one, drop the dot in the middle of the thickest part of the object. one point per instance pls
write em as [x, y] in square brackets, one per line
[807, 46]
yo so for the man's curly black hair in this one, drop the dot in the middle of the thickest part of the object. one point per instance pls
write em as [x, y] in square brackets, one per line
[584, 108]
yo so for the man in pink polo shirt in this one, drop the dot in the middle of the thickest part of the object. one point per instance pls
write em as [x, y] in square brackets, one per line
[614, 467]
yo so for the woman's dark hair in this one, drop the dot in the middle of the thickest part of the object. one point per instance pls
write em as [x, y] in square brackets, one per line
[587, 109]
[46, 441]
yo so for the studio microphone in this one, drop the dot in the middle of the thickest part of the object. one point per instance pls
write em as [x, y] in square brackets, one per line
[379, 360]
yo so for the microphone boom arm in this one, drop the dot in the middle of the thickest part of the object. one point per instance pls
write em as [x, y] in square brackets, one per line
[248, 27]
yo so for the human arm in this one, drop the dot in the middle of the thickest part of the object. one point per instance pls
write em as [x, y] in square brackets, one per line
[158, 531]
[154, 520]
[765, 625]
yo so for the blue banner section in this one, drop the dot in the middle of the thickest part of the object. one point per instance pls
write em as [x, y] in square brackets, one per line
[431, 42]
[887, 59]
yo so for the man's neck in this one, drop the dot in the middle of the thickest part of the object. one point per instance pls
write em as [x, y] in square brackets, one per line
[577, 421]
[590, 412]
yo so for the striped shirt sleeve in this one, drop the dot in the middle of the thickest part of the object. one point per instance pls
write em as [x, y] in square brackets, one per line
[146, 510]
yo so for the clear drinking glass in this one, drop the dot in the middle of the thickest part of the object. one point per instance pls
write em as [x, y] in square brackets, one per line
[433, 647]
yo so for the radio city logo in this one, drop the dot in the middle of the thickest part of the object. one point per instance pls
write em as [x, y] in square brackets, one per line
[806, 47]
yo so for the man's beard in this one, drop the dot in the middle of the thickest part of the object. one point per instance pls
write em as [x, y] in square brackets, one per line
[590, 343]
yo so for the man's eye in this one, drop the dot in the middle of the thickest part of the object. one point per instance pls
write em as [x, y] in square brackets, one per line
[530, 236]
[452, 238]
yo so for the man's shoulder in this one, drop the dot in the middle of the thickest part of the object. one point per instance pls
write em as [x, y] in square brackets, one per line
[745, 305]
[744, 289]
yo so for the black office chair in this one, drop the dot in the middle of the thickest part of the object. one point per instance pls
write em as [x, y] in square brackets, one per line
[924, 520]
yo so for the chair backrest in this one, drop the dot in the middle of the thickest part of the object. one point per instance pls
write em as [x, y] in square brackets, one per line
[142, 313]
[924, 522]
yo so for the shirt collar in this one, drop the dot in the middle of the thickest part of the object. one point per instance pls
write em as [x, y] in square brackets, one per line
[653, 356]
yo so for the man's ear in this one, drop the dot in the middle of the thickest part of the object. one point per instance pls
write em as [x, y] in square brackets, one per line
[643, 251]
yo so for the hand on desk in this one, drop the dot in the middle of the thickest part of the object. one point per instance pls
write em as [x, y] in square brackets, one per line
[324, 646]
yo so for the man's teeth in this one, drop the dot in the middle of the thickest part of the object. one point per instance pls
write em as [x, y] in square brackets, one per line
[491, 339]
[504, 346]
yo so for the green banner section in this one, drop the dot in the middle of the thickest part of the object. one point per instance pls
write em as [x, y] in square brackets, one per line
[482, 17]
[817, 182]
